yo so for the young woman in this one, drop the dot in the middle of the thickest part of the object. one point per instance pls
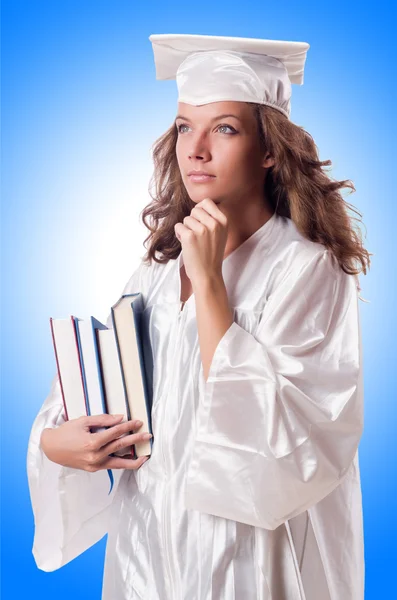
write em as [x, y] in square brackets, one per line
[250, 284]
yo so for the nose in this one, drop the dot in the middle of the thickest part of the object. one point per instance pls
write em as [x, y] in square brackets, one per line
[198, 147]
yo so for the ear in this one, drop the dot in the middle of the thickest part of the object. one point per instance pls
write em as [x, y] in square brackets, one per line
[268, 161]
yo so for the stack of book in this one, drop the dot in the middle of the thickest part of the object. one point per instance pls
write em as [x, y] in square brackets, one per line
[107, 370]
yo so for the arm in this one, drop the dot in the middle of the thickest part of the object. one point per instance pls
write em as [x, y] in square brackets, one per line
[71, 507]
[280, 418]
[214, 317]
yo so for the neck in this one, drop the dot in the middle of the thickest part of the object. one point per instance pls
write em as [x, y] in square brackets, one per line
[244, 221]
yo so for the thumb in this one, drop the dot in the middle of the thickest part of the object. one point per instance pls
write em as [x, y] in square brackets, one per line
[176, 232]
[104, 420]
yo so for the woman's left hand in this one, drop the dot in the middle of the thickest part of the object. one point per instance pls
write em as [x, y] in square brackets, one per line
[203, 236]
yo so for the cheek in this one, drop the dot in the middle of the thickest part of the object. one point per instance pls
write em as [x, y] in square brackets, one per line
[250, 160]
[177, 151]
[238, 161]
[179, 157]
[229, 156]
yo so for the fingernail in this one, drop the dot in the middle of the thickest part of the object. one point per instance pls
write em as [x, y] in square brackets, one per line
[138, 423]
[147, 436]
[117, 416]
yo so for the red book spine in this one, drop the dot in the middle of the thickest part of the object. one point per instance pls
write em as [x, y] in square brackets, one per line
[59, 372]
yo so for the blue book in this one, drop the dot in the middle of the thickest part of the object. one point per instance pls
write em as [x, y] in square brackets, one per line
[86, 334]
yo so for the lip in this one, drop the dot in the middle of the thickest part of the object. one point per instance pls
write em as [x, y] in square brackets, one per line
[200, 176]
[199, 172]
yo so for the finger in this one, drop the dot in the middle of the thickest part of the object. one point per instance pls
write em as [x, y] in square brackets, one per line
[179, 228]
[115, 462]
[194, 224]
[123, 442]
[203, 216]
[104, 420]
[104, 437]
[183, 232]
[210, 206]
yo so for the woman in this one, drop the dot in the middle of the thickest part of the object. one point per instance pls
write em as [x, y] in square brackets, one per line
[252, 491]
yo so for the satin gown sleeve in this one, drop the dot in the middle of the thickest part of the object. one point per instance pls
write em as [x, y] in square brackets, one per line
[281, 416]
[70, 506]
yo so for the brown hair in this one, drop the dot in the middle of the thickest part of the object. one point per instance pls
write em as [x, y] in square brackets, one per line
[296, 187]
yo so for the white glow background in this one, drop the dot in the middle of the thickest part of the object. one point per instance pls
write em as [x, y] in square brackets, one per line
[80, 111]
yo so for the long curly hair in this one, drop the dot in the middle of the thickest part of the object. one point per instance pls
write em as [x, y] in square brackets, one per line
[296, 187]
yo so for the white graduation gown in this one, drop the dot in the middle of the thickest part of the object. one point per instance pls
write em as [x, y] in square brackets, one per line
[253, 488]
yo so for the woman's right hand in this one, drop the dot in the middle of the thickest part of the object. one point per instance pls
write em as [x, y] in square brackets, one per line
[72, 444]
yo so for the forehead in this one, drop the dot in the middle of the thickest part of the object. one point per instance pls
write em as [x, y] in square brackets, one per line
[207, 112]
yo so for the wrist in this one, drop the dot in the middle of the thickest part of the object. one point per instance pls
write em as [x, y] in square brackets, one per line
[208, 283]
[44, 440]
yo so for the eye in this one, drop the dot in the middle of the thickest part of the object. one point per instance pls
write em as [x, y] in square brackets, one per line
[228, 127]
[232, 130]
[179, 127]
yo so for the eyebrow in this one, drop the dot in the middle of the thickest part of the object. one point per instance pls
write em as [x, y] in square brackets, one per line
[214, 119]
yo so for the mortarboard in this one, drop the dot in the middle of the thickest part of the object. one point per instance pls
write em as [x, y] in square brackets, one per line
[211, 68]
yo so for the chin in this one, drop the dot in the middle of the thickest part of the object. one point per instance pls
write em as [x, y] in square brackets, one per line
[197, 197]
[200, 198]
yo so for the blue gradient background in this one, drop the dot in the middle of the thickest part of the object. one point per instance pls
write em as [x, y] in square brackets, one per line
[80, 110]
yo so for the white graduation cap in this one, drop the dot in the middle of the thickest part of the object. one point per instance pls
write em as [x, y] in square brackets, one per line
[211, 68]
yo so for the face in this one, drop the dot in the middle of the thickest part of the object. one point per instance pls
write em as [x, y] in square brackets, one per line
[221, 139]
